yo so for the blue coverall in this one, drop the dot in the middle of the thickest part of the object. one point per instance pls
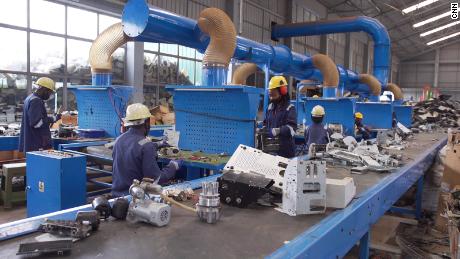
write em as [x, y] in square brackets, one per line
[316, 133]
[135, 157]
[35, 125]
[284, 117]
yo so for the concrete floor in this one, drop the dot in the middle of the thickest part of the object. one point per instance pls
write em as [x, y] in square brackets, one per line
[16, 213]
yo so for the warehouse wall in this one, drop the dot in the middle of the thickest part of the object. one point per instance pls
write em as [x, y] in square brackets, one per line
[419, 72]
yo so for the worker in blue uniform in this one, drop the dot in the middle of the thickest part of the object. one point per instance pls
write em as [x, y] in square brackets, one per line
[360, 129]
[316, 132]
[135, 156]
[35, 126]
[281, 117]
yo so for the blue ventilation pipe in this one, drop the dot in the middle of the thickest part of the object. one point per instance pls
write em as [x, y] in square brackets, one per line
[142, 23]
[369, 25]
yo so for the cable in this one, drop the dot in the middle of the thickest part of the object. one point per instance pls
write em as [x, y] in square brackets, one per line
[171, 200]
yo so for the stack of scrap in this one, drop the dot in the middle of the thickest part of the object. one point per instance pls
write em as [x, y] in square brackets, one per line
[441, 111]
[162, 115]
[363, 156]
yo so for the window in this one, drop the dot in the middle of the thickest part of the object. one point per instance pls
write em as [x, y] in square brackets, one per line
[47, 16]
[149, 46]
[186, 72]
[50, 41]
[150, 68]
[118, 64]
[77, 58]
[106, 21]
[168, 48]
[46, 54]
[13, 52]
[198, 73]
[186, 52]
[81, 23]
[13, 12]
[13, 89]
[168, 70]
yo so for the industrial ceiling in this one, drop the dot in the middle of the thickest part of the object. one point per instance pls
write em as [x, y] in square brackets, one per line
[406, 40]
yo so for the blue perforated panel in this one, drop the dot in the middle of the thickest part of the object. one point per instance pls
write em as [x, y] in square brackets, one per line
[101, 107]
[215, 120]
[339, 111]
[376, 115]
[403, 114]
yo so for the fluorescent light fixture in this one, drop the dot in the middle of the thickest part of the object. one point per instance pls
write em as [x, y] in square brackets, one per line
[418, 6]
[443, 38]
[432, 19]
[440, 28]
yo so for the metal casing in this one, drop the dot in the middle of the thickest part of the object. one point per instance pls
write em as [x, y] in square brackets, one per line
[376, 115]
[55, 181]
[102, 107]
[215, 119]
[403, 114]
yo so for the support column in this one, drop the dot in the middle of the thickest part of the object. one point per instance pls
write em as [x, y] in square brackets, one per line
[436, 69]
[135, 69]
[348, 63]
[364, 243]
[366, 59]
[324, 44]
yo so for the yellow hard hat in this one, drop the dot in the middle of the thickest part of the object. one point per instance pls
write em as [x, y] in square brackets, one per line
[358, 115]
[277, 82]
[317, 111]
[47, 83]
[315, 96]
[136, 113]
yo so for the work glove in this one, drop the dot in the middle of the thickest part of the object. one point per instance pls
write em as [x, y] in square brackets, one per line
[176, 164]
[57, 117]
[275, 132]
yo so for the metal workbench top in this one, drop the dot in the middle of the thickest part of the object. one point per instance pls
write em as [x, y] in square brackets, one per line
[241, 233]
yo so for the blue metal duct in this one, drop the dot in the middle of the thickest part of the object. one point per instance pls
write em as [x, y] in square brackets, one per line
[369, 25]
[156, 25]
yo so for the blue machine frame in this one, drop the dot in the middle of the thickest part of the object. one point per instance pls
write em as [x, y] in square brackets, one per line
[338, 110]
[376, 115]
[403, 114]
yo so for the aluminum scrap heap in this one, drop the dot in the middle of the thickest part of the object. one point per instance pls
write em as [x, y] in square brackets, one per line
[440, 111]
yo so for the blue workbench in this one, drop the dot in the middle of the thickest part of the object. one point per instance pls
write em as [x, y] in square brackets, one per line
[252, 232]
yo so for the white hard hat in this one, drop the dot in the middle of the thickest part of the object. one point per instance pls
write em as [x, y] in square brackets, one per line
[318, 111]
[136, 114]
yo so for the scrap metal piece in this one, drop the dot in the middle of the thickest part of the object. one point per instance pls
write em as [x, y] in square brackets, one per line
[67, 228]
[242, 188]
[346, 156]
[248, 159]
[102, 205]
[120, 208]
[143, 209]
[208, 207]
[92, 217]
[304, 188]
[266, 142]
[59, 247]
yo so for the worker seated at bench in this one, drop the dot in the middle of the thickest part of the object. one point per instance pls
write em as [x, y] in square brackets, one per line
[317, 132]
[281, 117]
[360, 129]
[135, 156]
